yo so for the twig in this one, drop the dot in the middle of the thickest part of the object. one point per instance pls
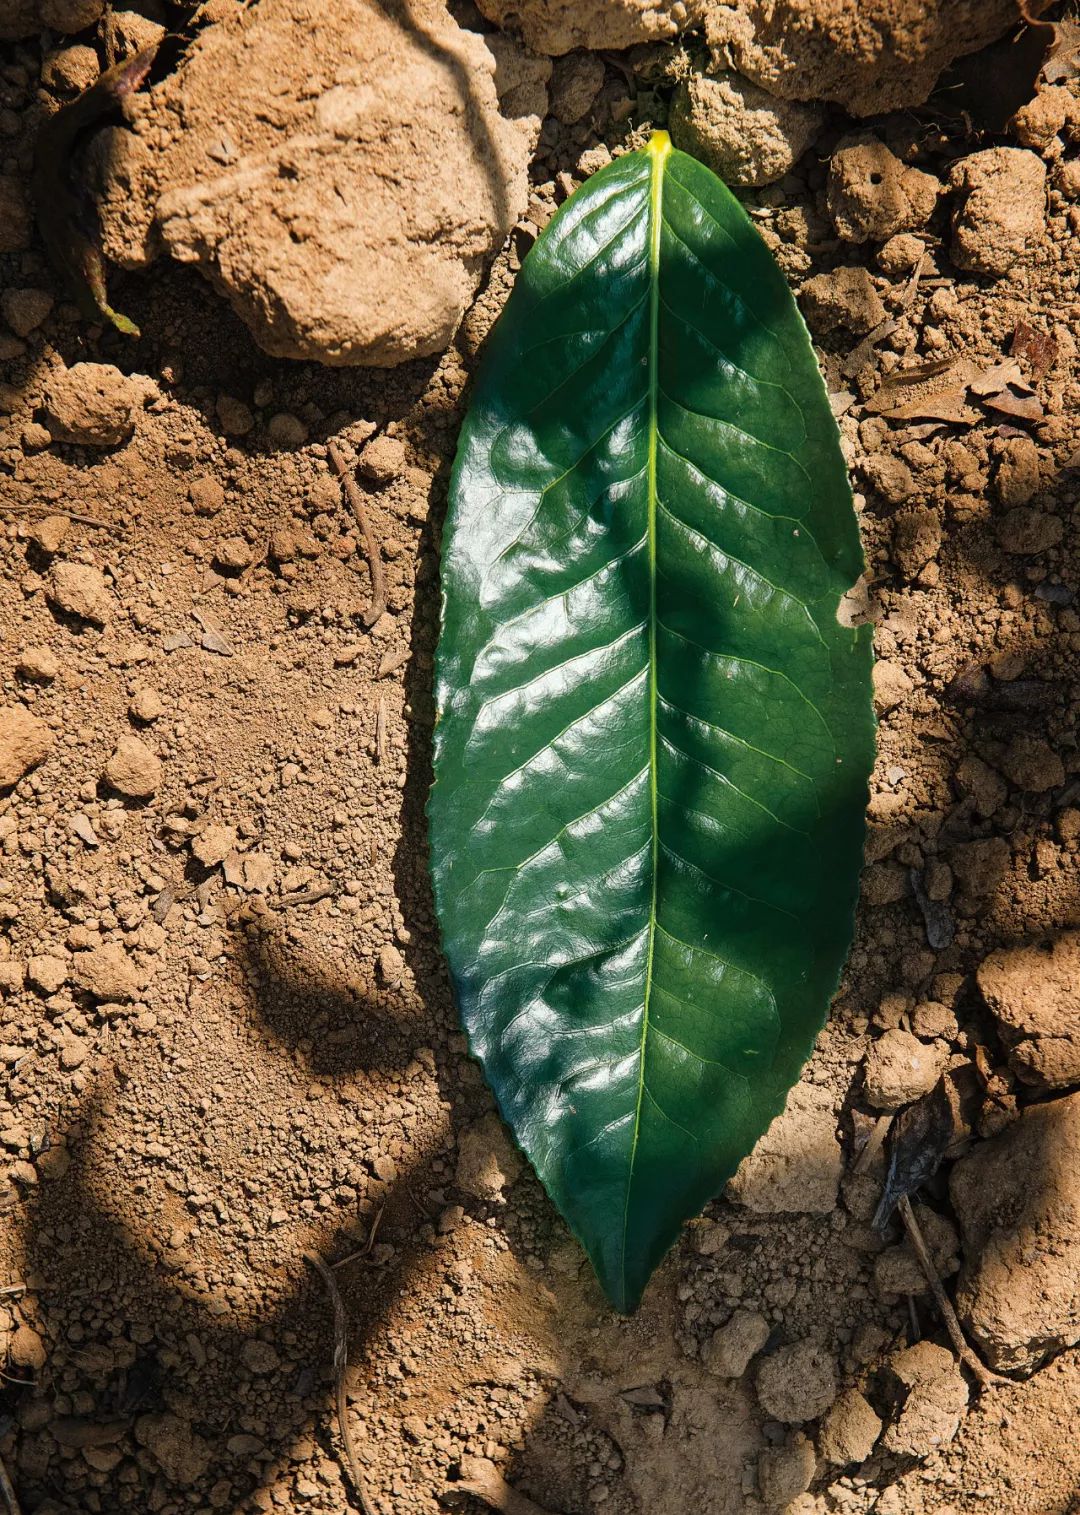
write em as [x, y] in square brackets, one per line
[8, 1492]
[341, 1349]
[377, 607]
[309, 896]
[54, 510]
[956, 1334]
[365, 1250]
[482, 1480]
[380, 731]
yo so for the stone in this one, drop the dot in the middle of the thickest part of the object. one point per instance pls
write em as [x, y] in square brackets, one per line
[46, 974]
[797, 1382]
[135, 31]
[395, 144]
[576, 80]
[16, 224]
[213, 845]
[25, 309]
[900, 254]
[49, 532]
[931, 1020]
[91, 404]
[930, 1400]
[846, 297]
[796, 1166]
[286, 430]
[26, 1349]
[730, 1348]
[1053, 109]
[1019, 472]
[1017, 1197]
[786, 1472]
[889, 477]
[849, 1431]
[899, 1068]
[180, 1451]
[1031, 764]
[106, 972]
[746, 136]
[236, 418]
[982, 784]
[1033, 993]
[897, 1271]
[70, 70]
[206, 496]
[39, 664]
[259, 1357]
[487, 1163]
[869, 56]
[891, 685]
[133, 770]
[146, 705]
[1001, 214]
[233, 555]
[382, 461]
[391, 965]
[872, 195]
[73, 1053]
[25, 741]
[1026, 532]
[79, 589]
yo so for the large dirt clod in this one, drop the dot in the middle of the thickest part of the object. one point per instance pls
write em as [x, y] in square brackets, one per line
[866, 55]
[744, 134]
[1033, 992]
[872, 195]
[1002, 211]
[1018, 1201]
[558, 26]
[348, 188]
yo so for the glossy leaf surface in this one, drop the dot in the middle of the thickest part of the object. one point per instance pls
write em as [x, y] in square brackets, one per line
[653, 733]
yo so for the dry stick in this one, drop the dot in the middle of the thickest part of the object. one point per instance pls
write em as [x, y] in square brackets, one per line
[309, 896]
[54, 510]
[363, 1252]
[341, 1349]
[8, 1492]
[380, 731]
[944, 1303]
[371, 547]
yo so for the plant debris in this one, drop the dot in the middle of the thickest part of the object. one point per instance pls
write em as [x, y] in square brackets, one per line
[64, 215]
[918, 1141]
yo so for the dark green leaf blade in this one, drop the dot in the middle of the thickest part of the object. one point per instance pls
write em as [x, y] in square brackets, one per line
[654, 735]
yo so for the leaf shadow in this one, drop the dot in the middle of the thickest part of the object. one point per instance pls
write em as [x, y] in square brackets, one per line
[161, 1343]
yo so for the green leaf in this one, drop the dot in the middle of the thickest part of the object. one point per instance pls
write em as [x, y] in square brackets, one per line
[654, 734]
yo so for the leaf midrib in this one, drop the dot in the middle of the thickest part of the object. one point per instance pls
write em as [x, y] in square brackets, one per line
[659, 148]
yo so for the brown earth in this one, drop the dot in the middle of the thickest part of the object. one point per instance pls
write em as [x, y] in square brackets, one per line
[225, 1025]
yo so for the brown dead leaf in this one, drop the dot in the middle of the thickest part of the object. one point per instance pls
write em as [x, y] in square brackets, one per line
[1037, 349]
[994, 379]
[1013, 401]
[1063, 59]
[948, 405]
